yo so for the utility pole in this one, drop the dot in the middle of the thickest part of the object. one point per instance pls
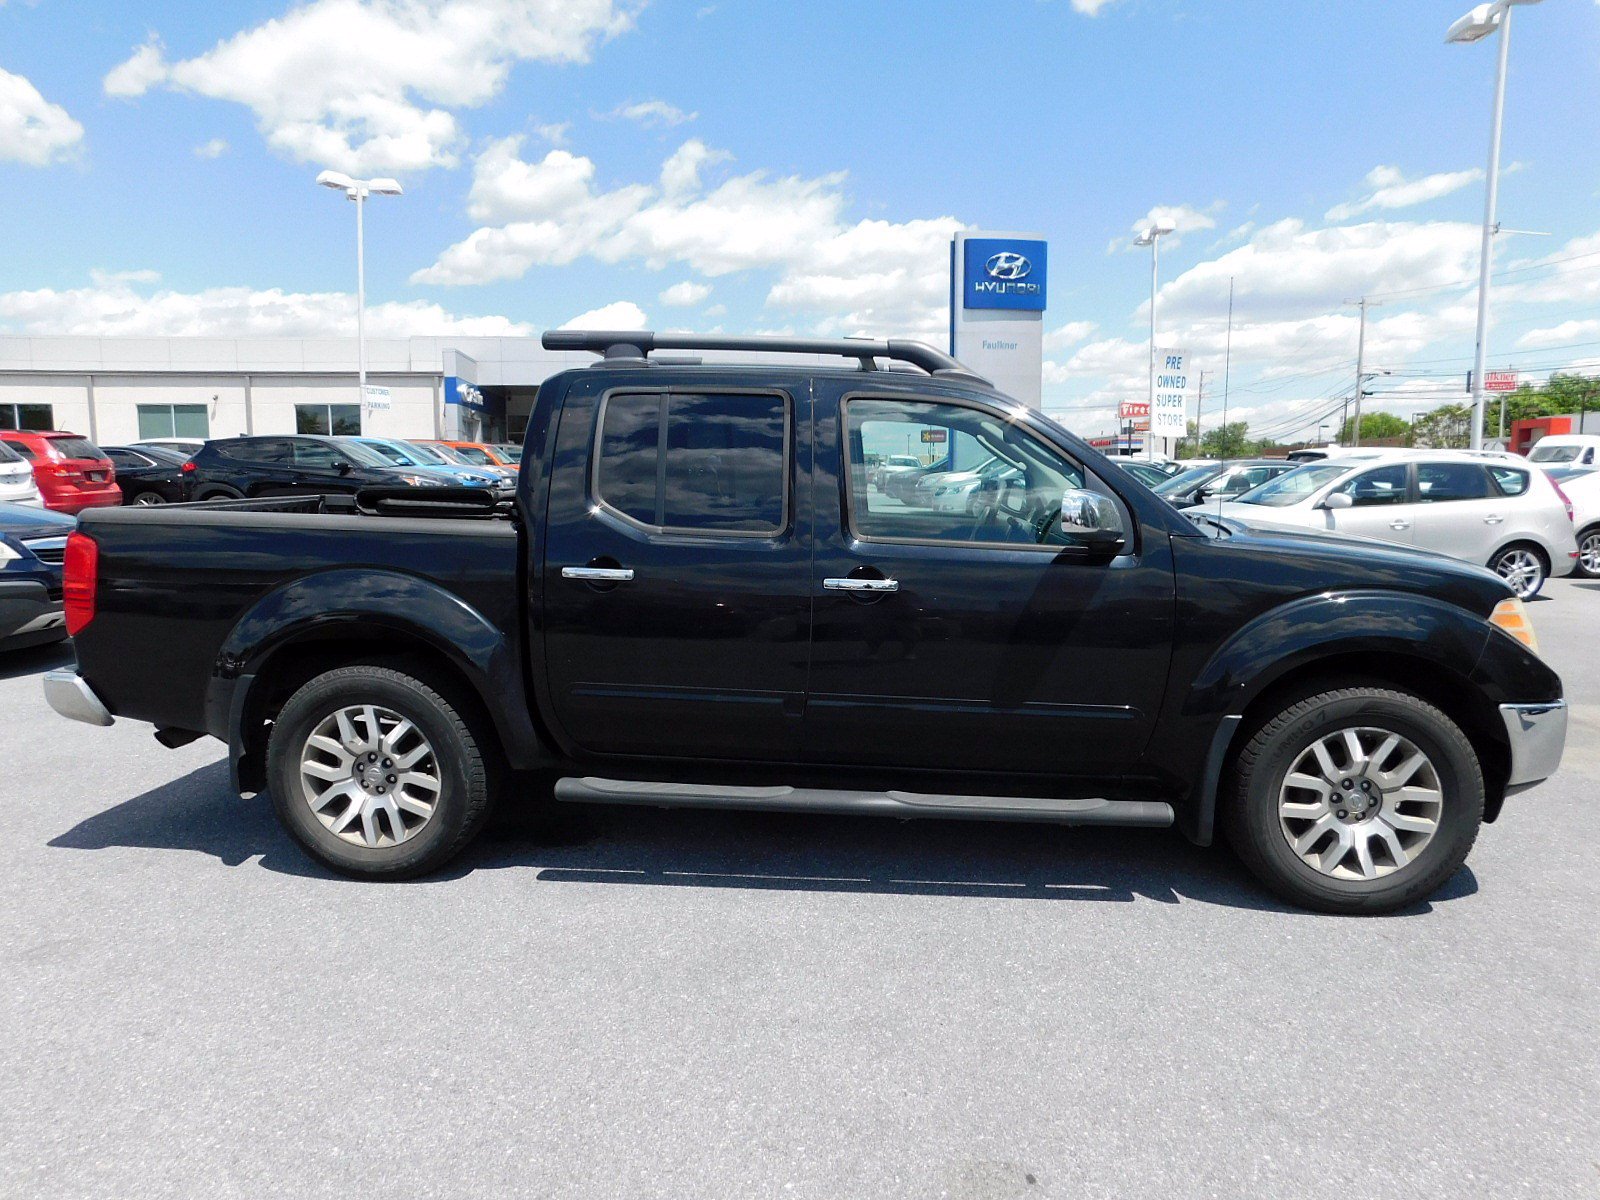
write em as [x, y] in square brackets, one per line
[1199, 412]
[1361, 364]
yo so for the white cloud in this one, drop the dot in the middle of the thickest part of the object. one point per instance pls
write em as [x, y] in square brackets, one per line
[620, 314]
[1069, 334]
[685, 294]
[115, 306]
[215, 148]
[653, 112]
[33, 131]
[1391, 189]
[884, 276]
[370, 85]
[1090, 8]
[1564, 334]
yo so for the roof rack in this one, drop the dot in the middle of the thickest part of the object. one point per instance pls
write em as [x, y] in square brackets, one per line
[635, 346]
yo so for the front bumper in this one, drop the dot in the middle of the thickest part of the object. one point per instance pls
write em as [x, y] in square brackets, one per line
[69, 695]
[1537, 734]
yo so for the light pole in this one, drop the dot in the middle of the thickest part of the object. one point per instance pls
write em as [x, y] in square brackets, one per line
[358, 190]
[1475, 26]
[1152, 237]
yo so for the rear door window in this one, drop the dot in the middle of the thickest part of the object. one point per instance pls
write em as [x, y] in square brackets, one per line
[1440, 482]
[700, 463]
[316, 454]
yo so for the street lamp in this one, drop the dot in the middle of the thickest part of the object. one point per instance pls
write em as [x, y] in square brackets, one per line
[1152, 237]
[1474, 27]
[358, 190]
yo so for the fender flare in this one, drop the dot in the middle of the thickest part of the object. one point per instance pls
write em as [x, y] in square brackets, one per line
[405, 607]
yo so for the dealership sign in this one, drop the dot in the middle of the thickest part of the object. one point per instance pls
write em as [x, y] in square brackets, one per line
[378, 398]
[1004, 273]
[1499, 381]
[1175, 387]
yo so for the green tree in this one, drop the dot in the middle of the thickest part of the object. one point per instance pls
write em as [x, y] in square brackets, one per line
[1230, 441]
[1447, 427]
[1374, 425]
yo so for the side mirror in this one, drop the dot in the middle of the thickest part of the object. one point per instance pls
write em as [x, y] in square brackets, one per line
[1090, 519]
[1339, 500]
[342, 466]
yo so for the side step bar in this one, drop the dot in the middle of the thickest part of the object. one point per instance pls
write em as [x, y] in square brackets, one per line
[589, 790]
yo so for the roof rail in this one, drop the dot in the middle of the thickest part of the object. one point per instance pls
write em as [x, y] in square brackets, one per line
[636, 345]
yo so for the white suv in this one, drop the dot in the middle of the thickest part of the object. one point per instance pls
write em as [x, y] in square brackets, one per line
[1504, 514]
[16, 478]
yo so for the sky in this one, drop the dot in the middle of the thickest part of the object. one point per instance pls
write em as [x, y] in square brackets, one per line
[750, 167]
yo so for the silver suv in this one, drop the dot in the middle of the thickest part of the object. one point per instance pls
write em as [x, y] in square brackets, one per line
[1501, 512]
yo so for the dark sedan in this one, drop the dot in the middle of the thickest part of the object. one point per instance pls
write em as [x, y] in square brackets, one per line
[33, 544]
[1221, 481]
[150, 474]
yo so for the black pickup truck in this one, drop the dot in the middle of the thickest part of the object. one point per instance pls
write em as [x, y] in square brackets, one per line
[699, 598]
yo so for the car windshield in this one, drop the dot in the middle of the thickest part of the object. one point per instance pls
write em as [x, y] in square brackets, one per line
[393, 455]
[428, 455]
[1179, 484]
[508, 452]
[8, 455]
[1294, 486]
[75, 448]
[451, 455]
[164, 455]
[1554, 454]
[362, 454]
[1562, 474]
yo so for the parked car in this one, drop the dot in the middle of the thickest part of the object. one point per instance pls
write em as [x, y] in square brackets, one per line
[1567, 450]
[16, 479]
[894, 464]
[699, 602]
[150, 474]
[470, 454]
[1581, 486]
[32, 545]
[903, 485]
[1148, 473]
[1220, 481]
[509, 453]
[71, 472]
[292, 465]
[1507, 517]
[188, 447]
[403, 454]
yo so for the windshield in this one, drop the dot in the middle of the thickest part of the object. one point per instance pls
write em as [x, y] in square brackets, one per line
[427, 455]
[74, 448]
[361, 454]
[508, 452]
[396, 453]
[1554, 454]
[1294, 486]
[8, 455]
[1185, 482]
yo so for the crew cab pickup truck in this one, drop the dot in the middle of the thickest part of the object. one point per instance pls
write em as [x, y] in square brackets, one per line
[698, 598]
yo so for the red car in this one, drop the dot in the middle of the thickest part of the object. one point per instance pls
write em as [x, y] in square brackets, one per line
[71, 471]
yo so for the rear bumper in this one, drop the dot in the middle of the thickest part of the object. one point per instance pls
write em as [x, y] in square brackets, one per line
[69, 695]
[27, 607]
[1537, 734]
[74, 501]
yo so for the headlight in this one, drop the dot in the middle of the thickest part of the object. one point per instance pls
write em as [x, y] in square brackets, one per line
[419, 481]
[7, 554]
[1512, 616]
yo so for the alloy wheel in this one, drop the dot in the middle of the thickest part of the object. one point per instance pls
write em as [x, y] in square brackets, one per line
[1522, 570]
[370, 776]
[1589, 552]
[1360, 803]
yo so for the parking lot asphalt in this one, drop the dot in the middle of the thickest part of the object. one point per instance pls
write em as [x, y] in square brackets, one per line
[645, 1003]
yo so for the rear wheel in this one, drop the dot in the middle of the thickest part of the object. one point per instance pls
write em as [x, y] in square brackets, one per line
[147, 499]
[1523, 567]
[1589, 552]
[378, 773]
[219, 493]
[1360, 800]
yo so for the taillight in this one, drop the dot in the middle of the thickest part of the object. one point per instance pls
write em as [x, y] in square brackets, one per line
[82, 573]
[187, 466]
[1570, 516]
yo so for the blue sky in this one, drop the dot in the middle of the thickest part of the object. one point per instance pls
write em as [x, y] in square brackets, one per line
[762, 166]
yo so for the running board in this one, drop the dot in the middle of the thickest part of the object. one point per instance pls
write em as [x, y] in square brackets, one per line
[1146, 813]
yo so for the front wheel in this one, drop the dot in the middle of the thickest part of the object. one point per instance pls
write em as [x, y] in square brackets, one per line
[1361, 800]
[1589, 552]
[378, 773]
[149, 499]
[1523, 568]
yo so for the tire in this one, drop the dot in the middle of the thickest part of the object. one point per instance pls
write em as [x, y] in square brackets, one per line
[218, 493]
[1259, 784]
[1589, 552]
[459, 758]
[147, 499]
[1523, 566]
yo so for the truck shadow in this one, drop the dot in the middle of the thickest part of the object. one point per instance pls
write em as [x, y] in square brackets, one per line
[35, 660]
[640, 847]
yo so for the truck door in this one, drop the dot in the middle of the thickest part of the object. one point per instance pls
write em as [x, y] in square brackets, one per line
[973, 638]
[677, 572]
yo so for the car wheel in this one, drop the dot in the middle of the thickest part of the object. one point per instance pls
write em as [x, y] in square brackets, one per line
[1523, 567]
[147, 499]
[1589, 552]
[1360, 800]
[378, 773]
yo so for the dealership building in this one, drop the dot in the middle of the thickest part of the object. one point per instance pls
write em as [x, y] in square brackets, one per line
[124, 389]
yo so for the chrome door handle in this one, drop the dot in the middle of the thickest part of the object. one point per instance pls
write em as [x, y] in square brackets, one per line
[1399, 524]
[861, 585]
[1493, 520]
[598, 574]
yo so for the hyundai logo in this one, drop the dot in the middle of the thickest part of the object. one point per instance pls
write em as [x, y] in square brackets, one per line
[1008, 265]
